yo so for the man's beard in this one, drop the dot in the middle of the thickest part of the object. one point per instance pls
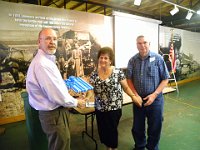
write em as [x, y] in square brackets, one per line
[51, 52]
[51, 49]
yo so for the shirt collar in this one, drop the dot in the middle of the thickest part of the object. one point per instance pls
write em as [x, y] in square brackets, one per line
[148, 56]
[49, 56]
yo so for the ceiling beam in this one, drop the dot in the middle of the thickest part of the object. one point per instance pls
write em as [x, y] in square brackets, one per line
[76, 6]
[118, 7]
[31, 2]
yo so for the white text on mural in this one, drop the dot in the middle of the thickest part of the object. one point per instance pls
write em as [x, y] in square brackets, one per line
[42, 21]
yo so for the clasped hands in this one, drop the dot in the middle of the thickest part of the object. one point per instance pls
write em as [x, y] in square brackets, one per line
[148, 100]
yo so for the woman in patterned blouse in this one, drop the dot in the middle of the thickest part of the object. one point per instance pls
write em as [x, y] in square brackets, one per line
[108, 83]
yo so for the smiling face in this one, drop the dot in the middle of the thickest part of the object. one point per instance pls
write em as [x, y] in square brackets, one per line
[105, 57]
[47, 41]
[143, 46]
[104, 61]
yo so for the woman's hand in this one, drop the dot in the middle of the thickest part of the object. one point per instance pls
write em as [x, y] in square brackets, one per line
[137, 100]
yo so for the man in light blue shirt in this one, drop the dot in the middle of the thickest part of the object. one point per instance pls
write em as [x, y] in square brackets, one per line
[48, 93]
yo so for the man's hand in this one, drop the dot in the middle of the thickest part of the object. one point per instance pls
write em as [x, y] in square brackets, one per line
[149, 99]
[81, 103]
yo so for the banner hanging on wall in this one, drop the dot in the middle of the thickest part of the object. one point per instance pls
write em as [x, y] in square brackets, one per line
[80, 36]
[127, 27]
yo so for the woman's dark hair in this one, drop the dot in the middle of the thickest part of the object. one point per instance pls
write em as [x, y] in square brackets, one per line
[107, 50]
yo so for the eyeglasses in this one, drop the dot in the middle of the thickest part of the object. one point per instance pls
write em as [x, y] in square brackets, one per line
[49, 38]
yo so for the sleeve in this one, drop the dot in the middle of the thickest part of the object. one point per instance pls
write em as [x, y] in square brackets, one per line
[53, 85]
[164, 73]
[92, 78]
[129, 72]
[121, 75]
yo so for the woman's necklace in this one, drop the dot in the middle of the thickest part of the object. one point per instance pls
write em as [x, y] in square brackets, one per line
[104, 73]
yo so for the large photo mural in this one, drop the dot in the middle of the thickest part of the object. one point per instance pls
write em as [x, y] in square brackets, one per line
[80, 36]
[180, 51]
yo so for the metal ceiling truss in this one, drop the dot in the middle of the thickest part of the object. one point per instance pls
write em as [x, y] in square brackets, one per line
[156, 9]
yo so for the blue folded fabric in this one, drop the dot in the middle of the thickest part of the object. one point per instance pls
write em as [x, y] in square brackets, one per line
[77, 84]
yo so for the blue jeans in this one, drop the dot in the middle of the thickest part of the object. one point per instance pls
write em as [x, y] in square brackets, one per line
[154, 115]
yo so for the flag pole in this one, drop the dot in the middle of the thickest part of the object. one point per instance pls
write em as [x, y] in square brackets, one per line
[172, 56]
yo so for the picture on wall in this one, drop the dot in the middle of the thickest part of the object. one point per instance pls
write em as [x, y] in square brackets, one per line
[76, 55]
[80, 36]
[185, 60]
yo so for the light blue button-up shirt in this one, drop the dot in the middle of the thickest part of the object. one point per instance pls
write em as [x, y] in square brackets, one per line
[45, 85]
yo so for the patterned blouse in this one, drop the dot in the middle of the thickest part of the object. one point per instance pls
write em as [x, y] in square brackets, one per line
[108, 93]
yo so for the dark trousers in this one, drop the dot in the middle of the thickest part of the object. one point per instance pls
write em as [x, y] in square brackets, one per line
[154, 116]
[107, 123]
[56, 127]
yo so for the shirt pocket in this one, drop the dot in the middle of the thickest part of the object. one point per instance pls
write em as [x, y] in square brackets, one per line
[152, 70]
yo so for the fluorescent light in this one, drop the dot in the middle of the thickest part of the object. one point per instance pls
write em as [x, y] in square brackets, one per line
[198, 12]
[137, 2]
[189, 15]
[174, 11]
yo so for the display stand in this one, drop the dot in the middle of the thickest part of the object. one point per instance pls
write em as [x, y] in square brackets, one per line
[172, 85]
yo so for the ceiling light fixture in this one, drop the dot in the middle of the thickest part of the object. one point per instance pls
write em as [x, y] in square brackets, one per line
[189, 15]
[174, 11]
[137, 2]
[190, 11]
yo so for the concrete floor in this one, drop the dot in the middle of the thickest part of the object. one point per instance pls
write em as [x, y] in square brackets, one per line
[181, 128]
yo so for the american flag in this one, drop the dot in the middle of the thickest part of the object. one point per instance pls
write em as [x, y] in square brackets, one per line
[172, 57]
